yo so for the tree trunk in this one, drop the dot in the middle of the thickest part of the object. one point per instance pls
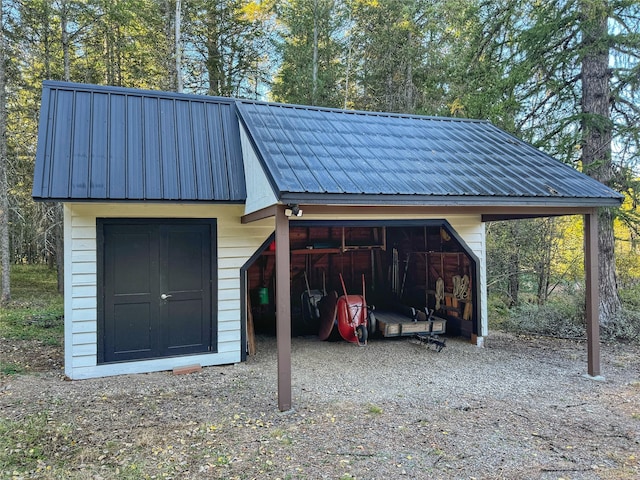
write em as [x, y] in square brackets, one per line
[5, 259]
[514, 266]
[169, 33]
[58, 210]
[65, 40]
[314, 75]
[544, 259]
[348, 70]
[597, 137]
[408, 92]
[514, 280]
[178, 51]
[214, 52]
[58, 238]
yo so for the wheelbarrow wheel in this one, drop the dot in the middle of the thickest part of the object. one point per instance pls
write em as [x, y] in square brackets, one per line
[362, 334]
[372, 323]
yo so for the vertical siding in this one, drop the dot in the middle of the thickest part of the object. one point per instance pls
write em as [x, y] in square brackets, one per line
[236, 244]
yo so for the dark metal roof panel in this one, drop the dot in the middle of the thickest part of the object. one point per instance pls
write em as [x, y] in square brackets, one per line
[109, 143]
[315, 151]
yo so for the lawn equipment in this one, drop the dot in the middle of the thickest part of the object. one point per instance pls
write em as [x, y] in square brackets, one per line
[349, 312]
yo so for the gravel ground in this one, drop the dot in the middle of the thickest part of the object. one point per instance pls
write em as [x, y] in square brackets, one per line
[519, 408]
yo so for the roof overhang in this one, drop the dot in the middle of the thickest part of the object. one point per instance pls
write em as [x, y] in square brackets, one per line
[487, 212]
[447, 200]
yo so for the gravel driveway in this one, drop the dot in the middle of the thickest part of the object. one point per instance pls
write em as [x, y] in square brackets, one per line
[518, 408]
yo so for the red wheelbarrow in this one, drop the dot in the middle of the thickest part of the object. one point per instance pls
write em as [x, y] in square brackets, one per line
[348, 312]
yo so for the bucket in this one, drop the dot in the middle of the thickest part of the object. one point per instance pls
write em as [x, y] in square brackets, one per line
[263, 296]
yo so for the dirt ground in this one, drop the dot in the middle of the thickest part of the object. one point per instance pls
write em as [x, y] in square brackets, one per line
[520, 408]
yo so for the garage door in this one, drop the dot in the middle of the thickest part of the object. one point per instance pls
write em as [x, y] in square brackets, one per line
[155, 283]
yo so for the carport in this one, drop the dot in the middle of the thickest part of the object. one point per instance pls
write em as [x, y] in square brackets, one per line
[338, 165]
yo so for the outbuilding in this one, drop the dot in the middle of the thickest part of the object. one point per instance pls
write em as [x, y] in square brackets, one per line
[186, 215]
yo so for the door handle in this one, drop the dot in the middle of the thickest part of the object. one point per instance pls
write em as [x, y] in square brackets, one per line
[164, 296]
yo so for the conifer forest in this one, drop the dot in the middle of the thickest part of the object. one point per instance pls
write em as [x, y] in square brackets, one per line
[563, 75]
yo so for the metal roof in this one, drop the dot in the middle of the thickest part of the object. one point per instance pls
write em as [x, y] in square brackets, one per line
[111, 143]
[122, 144]
[318, 155]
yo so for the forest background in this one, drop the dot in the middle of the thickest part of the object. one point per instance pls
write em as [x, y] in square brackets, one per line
[563, 75]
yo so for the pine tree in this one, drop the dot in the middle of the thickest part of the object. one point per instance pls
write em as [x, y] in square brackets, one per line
[311, 72]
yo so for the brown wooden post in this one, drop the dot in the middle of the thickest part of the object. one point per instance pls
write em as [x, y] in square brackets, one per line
[283, 309]
[592, 293]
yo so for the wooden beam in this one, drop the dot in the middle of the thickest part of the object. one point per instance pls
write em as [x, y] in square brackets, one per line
[259, 214]
[515, 216]
[283, 309]
[487, 211]
[592, 293]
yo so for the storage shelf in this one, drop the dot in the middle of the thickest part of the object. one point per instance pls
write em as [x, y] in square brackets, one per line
[314, 251]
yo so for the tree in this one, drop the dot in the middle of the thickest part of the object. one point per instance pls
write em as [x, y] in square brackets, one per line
[389, 43]
[570, 74]
[178, 46]
[583, 92]
[170, 50]
[311, 72]
[521, 256]
[597, 135]
[225, 46]
[5, 261]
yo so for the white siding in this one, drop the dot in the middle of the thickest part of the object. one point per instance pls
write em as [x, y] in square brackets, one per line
[259, 191]
[236, 244]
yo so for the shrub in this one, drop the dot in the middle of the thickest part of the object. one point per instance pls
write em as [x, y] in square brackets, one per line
[565, 317]
[626, 326]
[558, 319]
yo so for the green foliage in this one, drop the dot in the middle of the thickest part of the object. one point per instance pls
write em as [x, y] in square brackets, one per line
[390, 44]
[624, 326]
[36, 312]
[631, 297]
[521, 255]
[563, 317]
[311, 72]
[226, 47]
[516, 63]
[498, 311]
[10, 368]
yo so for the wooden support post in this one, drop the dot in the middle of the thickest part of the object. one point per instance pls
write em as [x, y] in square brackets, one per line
[592, 293]
[251, 333]
[283, 309]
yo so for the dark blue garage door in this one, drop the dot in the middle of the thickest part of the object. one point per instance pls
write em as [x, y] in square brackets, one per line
[155, 286]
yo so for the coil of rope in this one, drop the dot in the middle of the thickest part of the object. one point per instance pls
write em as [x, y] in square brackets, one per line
[439, 292]
[461, 287]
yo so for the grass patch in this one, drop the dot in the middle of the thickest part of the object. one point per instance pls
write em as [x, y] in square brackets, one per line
[36, 309]
[30, 444]
[10, 369]
[374, 409]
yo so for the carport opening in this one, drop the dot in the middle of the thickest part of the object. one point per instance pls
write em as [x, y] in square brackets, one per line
[423, 265]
